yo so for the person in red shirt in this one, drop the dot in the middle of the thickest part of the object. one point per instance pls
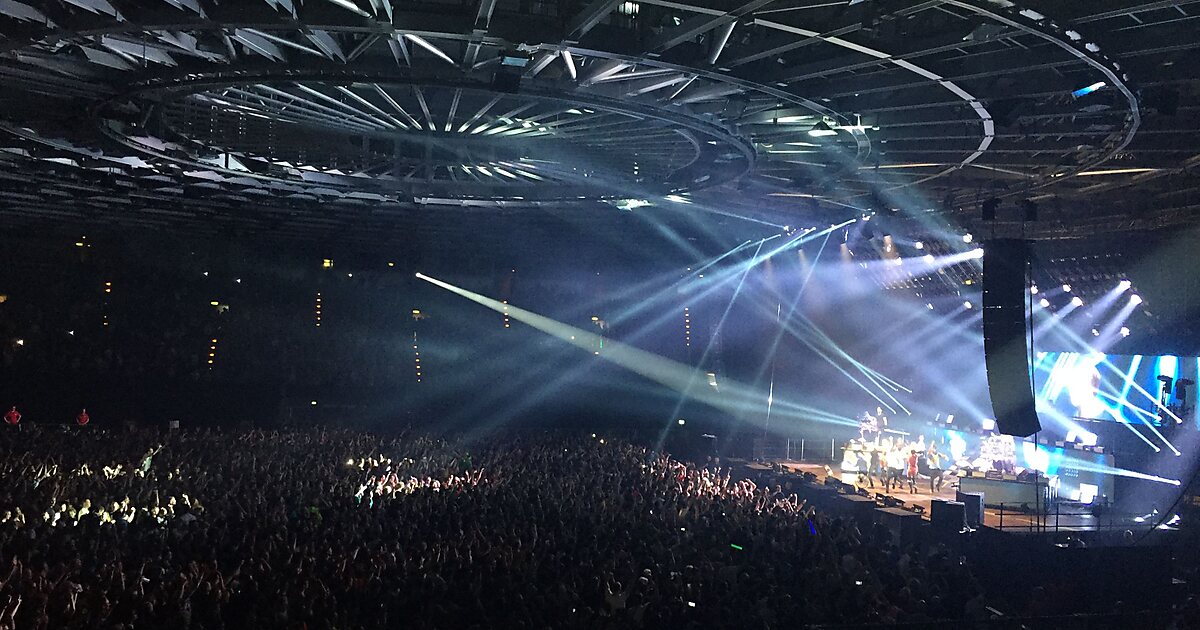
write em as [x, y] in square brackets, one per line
[912, 472]
[13, 417]
[82, 419]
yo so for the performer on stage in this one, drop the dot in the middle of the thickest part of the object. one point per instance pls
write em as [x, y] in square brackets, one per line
[936, 461]
[13, 417]
[912, 471]
[895, 464]
[868, 460]
[83, 418]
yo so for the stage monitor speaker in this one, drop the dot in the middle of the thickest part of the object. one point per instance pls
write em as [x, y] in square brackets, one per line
[1005, 349]
[947, 515]
[974, 507]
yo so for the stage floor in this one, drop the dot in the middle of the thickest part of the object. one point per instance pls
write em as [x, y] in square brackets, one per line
[994, 518]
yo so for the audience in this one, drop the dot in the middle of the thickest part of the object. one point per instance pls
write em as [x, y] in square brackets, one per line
[314, 528]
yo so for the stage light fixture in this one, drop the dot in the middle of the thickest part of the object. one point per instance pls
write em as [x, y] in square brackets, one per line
[1066, 288]
[967, 238]
[1095, 332]
[1124, 331]
[1033, 290]
[1135, 299]
[968, 305]
[1077, 301]
[1045, 303]
[682, 422]
[929, 306]
[919, 245]
[928, 258]
[1124, 284]
[514, 59]
[822, 129]
[1084, 91]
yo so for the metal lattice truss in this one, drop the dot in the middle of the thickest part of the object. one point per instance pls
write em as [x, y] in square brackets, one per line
[275, 114]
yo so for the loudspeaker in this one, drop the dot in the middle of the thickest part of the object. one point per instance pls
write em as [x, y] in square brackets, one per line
[1030, 209]
[973, 502]
[988, 210]
[505, 80]
[1005, 349]
[947, 516]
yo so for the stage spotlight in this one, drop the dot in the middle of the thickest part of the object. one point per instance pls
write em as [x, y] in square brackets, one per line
[929, 306]
[822, 129]
[1033, 290]
[988, 424]
[682, 422]
[1124, 284]
[1084, 91]
[1124, 331]
[1077, 301]
[1135, 299]
[1067, 288]
[1095, 332]
[1045, 303]
[928, 258]
[919, 245]
[968, 304]
[967, 238]
[977, 252]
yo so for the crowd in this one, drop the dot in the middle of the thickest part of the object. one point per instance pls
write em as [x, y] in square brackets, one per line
[315, 528]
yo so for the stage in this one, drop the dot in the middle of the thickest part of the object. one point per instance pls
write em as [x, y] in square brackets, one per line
[1058, 517]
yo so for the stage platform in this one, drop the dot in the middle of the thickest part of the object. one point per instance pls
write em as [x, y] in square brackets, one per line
[1006, 520]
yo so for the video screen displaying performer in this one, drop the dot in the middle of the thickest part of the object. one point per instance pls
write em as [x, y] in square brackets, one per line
[1073, 388]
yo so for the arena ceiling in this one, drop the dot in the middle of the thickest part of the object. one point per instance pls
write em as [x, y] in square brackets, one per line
[308, 119]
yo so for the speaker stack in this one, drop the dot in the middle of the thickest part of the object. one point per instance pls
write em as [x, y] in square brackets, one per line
[1006, 351]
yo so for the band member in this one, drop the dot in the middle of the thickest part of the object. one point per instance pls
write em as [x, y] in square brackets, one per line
[83, 418]
[935, 460]
[912, 471]
[868, 427]
[13, 417]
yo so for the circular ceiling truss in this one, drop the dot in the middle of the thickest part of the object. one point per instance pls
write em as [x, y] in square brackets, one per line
[488, 101]
[419, 138]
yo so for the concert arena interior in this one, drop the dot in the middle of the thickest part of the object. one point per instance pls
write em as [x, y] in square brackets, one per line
[599, 314]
